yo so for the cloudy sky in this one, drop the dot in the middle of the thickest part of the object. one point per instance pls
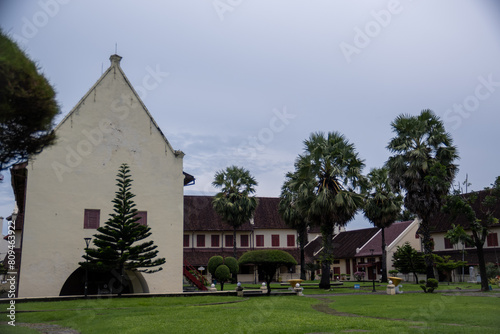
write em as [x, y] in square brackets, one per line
[234, 82]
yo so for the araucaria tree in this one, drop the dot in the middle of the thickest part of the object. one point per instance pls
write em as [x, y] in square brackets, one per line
[478, 212]
[234, 202]
[117, 243]
[327, 183]
[407, 260]
[382, 207]
[423, 167]
[293, 217]
[27, 106]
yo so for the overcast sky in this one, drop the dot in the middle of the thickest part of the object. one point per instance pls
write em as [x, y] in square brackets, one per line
[234, 82]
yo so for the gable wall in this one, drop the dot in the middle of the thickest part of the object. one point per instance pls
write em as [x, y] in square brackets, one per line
[109, 127]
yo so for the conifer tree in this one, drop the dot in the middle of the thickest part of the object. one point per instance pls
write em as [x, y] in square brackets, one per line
[117, 241]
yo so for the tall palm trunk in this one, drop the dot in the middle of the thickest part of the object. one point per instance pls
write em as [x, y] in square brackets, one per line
[327, 232]
[302, 241]
[384, 258]
[234, 243]
[427, 241]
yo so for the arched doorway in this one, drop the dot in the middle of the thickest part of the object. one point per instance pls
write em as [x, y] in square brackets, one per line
[103, 283]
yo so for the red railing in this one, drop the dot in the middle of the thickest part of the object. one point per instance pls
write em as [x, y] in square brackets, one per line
[194, 276]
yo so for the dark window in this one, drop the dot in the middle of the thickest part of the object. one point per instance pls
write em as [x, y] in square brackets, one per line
[200, 240]
[246, 270]
[244, 240]
[275, 240]
[290, 240]
[186, 240]
[91, 218]
[447, 243]
[229, 241]
[215, 240]
[259, 240]
[492, 240]
[143, 218]
[336, 261]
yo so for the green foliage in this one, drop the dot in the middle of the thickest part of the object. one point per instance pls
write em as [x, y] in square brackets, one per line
[327, 184]
[234, 203]
[430, 286]
[214, 262]
[222, 273]
[447, 265]
[480, 213]
[492, 270]
[406, 259]
[312, 267]
[117, 241]
[222, 269]
[267, 261]
[27, 106]
[294, 217]
[232, 264]
[423, 167]
[382, 207]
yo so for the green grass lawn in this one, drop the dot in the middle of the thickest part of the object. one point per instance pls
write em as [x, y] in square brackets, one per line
[377, 313]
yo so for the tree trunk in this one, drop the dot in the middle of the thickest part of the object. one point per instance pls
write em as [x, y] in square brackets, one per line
[384, 258]
[482, 267]
[327, 232]
[303, 240]
[234, 243]
[426, 240]
[234, 252]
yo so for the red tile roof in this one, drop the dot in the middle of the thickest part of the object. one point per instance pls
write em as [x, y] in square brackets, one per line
[441, 222]
[199, 215]
[344, 243]
[391, 233]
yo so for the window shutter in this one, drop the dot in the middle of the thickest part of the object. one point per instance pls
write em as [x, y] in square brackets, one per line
[259, 240]
[244, 240]
[91, 218]
[215, 240]
[143, 218]
[229, 241]
[275, 240]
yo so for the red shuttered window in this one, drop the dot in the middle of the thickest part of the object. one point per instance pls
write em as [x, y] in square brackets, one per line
[91, 218]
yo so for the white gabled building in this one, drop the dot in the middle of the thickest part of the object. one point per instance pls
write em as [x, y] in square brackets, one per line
[65, 192]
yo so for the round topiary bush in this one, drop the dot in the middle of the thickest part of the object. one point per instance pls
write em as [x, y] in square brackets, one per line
[213, 263]
[222, 273]
[232, 264]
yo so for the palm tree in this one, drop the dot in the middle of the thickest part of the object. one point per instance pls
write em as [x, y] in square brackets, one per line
[293, 217]
[382, 207]
[234, 203]
[328, 176]
[423, 167]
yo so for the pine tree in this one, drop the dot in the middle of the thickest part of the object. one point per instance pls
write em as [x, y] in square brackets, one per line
[117, 249]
